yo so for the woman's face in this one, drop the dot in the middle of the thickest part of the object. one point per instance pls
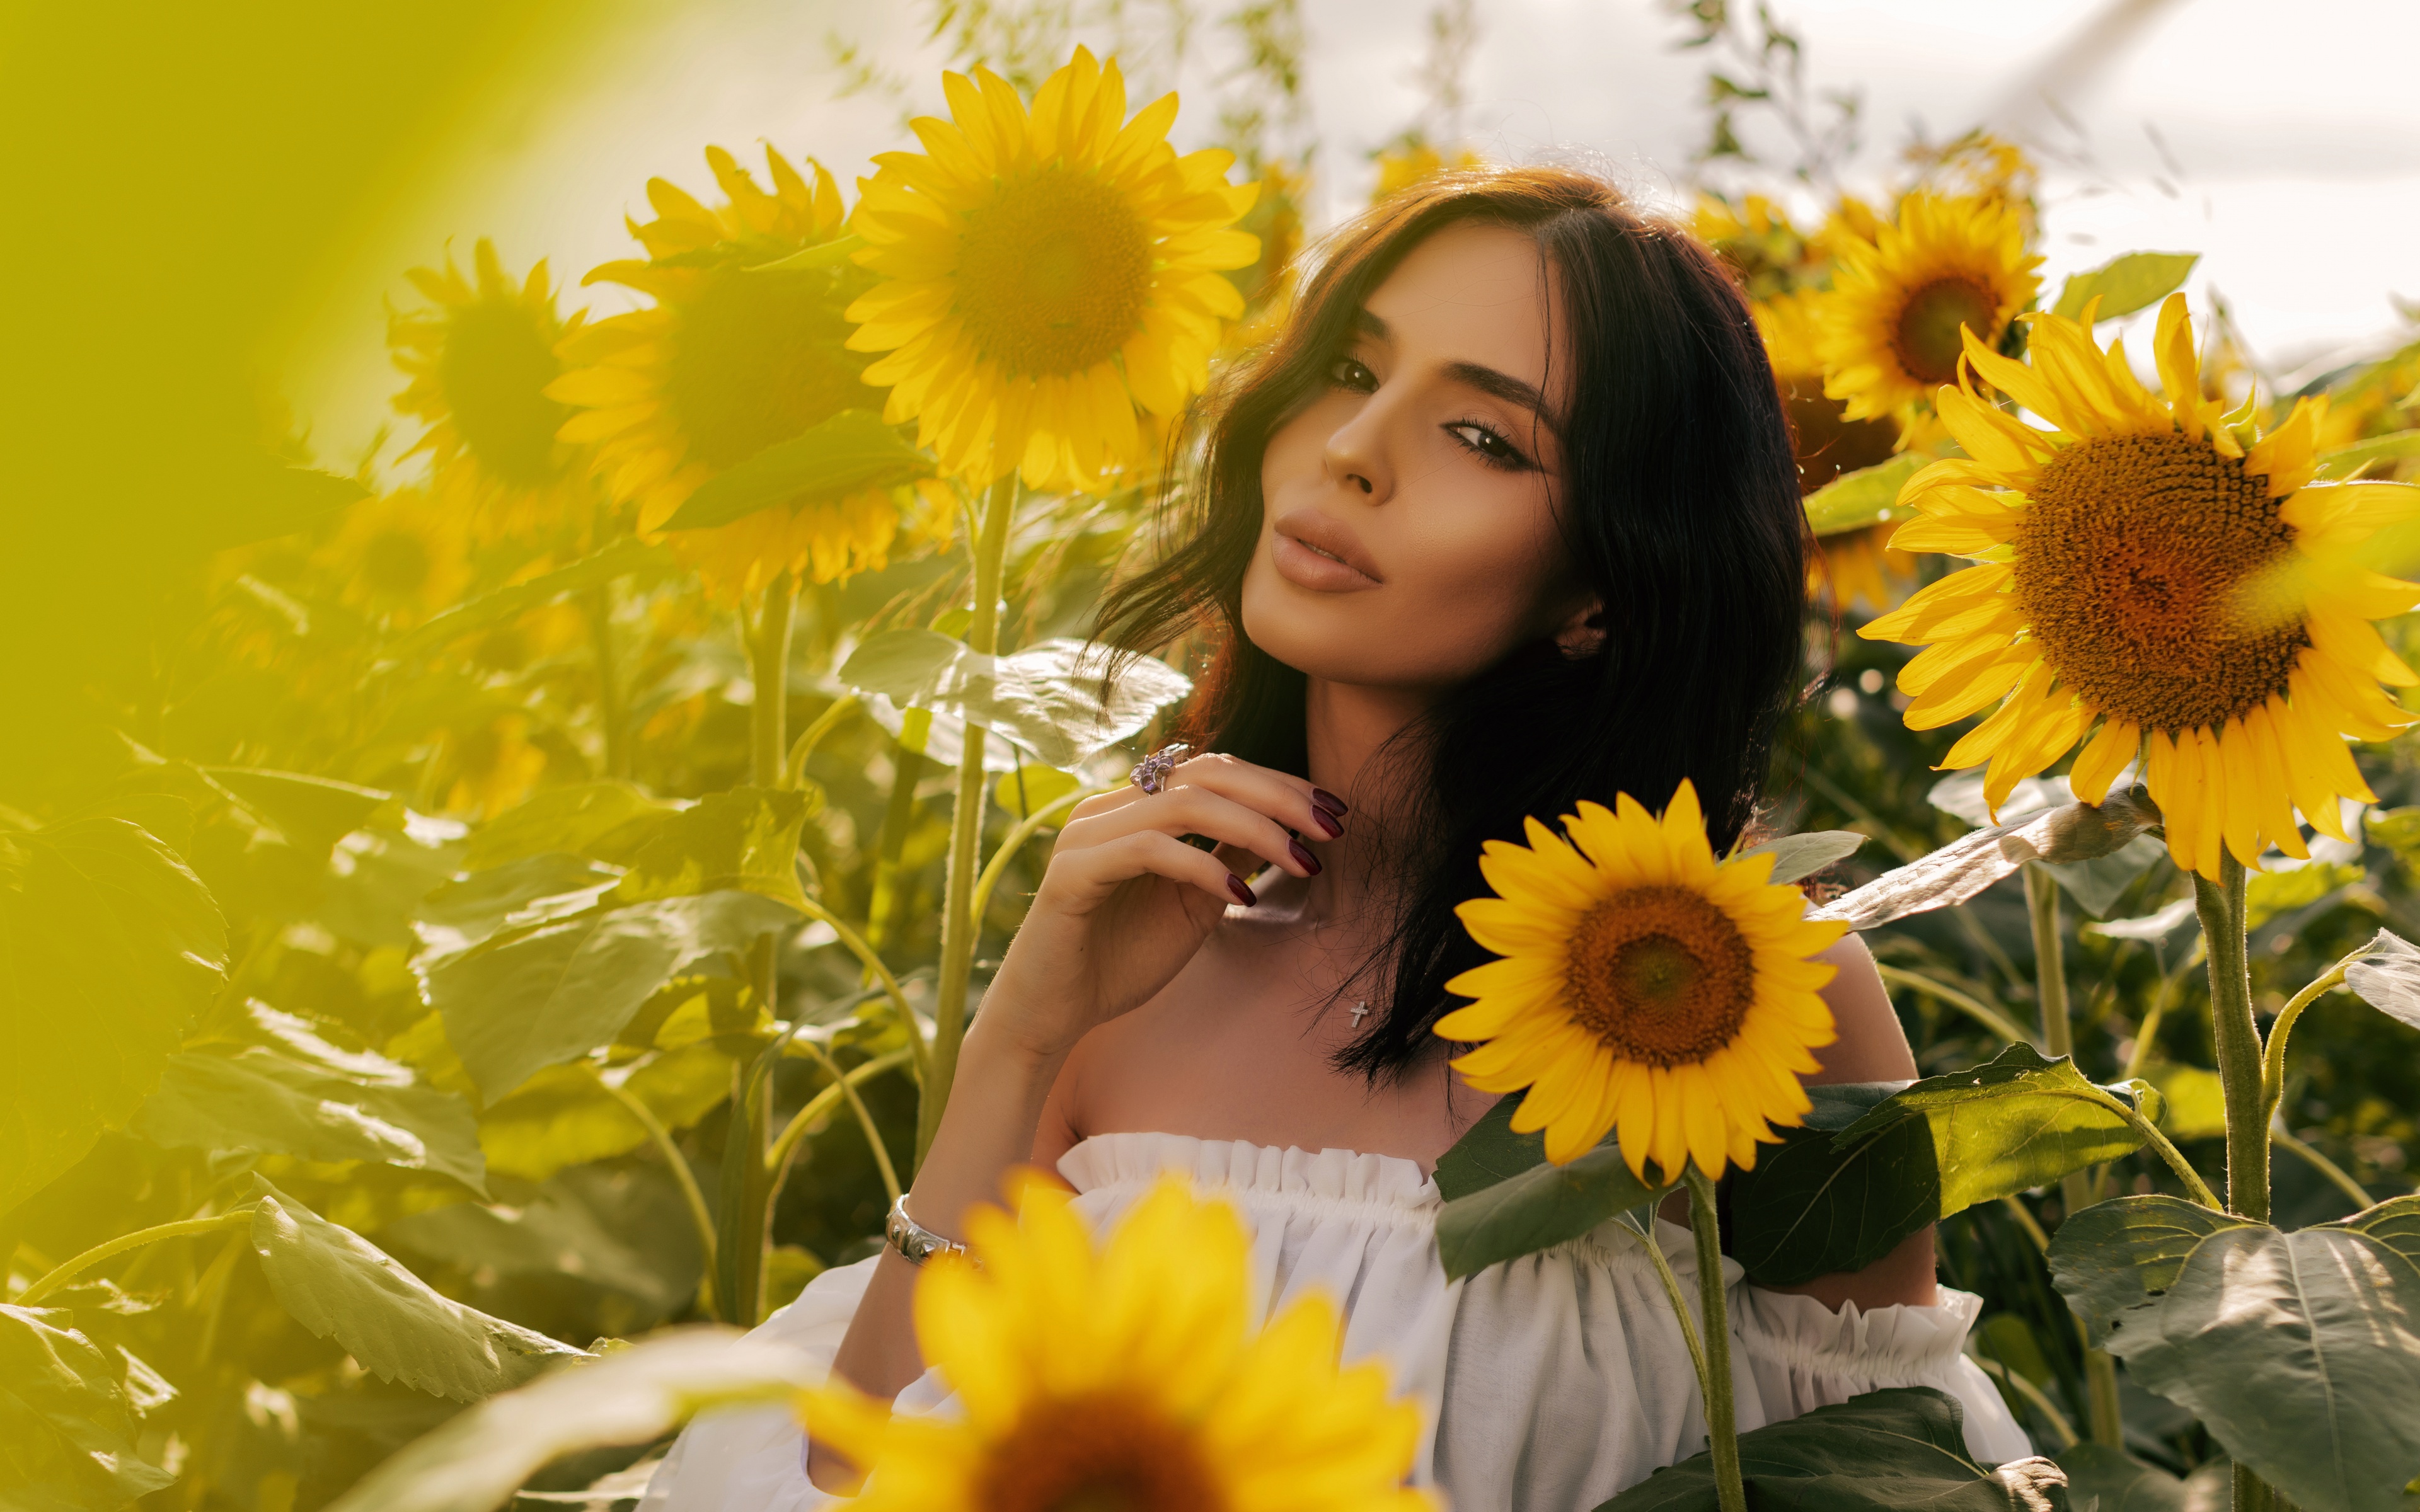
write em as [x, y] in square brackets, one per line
[1407, 532]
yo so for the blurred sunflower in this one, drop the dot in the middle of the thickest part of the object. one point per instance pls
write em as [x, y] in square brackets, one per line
[494, 766]
[1126, 1376]
[2157, 573]
[1645, 986]
[824, 540]
[480, 360]
[1852, 567]
[402, 555]
[1771, 257]
[1888, 329]
[1411, 160]
[1044, 273]
[727, 363]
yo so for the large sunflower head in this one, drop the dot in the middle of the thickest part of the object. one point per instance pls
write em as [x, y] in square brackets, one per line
[480, 358]
[1889, 327]
[1828, 442]
[1126, 1376]
[1644, 987]
[729, 361]
[402, 555]
[1044, 272]
[2155, 580]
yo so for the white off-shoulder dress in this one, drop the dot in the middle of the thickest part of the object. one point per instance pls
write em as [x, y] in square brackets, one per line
[1547, 1383]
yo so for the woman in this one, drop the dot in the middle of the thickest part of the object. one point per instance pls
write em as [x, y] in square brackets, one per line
[1507, 518]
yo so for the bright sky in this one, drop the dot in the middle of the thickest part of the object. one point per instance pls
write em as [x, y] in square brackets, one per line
[2291, 134]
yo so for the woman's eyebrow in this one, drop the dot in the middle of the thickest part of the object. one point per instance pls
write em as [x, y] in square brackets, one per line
[1506, 387]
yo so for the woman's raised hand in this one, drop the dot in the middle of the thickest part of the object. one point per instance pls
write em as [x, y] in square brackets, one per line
[1126, 901]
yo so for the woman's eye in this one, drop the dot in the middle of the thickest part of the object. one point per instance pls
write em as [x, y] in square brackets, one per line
[1350, 373]
[1492, 448]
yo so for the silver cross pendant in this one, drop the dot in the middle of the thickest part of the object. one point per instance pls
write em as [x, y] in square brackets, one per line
[1360, 1009]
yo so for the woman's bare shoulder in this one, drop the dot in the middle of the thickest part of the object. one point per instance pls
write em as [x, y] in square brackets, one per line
[1872, 1046]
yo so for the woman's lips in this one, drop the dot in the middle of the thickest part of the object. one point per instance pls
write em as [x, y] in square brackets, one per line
[1313, 551]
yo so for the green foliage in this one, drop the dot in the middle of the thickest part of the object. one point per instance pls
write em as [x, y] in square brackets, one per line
[67, 1432]
[1048, 698]
[1856, 500]
[1797, 857]
[1503, 1200]
[2299, 1349]
[106, 938]
[341, 1287]
[1902, 1447]
[2125, 283]
[850, 451]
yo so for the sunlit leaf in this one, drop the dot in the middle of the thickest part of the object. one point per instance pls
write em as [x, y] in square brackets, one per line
[543, 995]
[2118, 1482]
[2267, 894]
[376, 881]
[852, 450]
[2016, 1121]
[341, 1287]
[577, 1226]
[2125, 283]
[602, 821]
[1047, 698]
[2344, 461]
[1867, 497]
[1538, 1206]
[2196, 1098]
[561, 1117]
[1802, 856]
[109, 946]
[315, 1107]
[67, 1431]
[2388, 978]
[2155, 926]
[635, 1395]
[1901, 1449]
[2299, 1351]
[461, 912]
[1965, 866]
[1033, 788]
[746, 841]
[312, 813]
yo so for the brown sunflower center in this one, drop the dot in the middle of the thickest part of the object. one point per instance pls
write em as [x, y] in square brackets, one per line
[2132, 563]
[495, 368]
[1102, 1454]
[1660, 975]
[1827, 444]
[1053, 273]
[758, 359]
[1926, 337]
[396, 563]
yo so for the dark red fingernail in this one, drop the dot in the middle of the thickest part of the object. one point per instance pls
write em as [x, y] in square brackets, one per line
[1303, 859]
[1243, 894]
[1328, 822]
[1327, 800]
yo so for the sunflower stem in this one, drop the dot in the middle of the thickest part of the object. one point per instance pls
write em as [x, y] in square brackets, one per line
[1722, 1422]
[959, 926]
[60, 1274]
[2106, 1421]
[768, 667]
[2237, 1038]
[609, 682]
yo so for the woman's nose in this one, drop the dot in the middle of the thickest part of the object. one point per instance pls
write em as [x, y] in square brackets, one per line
[1356, 455]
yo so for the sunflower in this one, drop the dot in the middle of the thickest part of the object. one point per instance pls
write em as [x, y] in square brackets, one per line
[1044, 273]
[401, 554]
[1643, 985]
[1889, 327]
[1860, 567]
[2155, 579]
[1828, 442]
[480, 360]
[1127, 1377]
[826, 540]
[728, 362]
[1412, 159]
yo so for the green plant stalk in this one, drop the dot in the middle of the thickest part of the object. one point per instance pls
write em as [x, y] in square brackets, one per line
[2326, 1168]
[1689, 1336]
[1991, 1018]
[609, 715]
[873, 1131]
[700, 1215]
[871, 960]
[959, 925]
[794, 770]
[2106, 1421]
[60, 1274]
[777, 1160]
[1049, 813]
[768, 667]
[898, 816]
[2272, 1057]
[2237, 1038]
[1722, 1421]
[2034, 1394]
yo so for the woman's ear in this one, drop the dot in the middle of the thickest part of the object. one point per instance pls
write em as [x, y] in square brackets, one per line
[1582, 635]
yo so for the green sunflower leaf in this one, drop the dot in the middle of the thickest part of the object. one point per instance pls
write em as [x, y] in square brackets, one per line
[1867, 497]
[1048, 698]
[2299, 1351]
[1802, 856]
[1901, 1449]
[67, 1430]
[2125, 283]
[106, 940]
[341, 1287]
[2070, 833]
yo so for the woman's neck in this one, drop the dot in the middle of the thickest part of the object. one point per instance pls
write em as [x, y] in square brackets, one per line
[1349, 730]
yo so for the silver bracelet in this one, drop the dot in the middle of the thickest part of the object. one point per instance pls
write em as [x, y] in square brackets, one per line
[915, 1243]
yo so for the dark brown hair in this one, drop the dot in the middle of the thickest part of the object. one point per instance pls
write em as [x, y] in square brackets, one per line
[1677, 503]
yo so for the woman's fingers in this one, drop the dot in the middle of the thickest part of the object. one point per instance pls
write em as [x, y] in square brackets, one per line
[1292, 801]
[1096, 869]
[1197, 811]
